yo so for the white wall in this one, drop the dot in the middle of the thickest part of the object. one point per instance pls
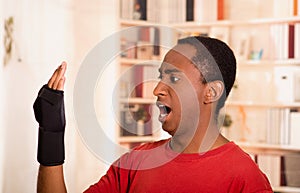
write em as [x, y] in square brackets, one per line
[1, 98]
[46, 32]
[93, 22]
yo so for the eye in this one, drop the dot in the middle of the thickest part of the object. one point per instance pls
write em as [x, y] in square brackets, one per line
[174, 79]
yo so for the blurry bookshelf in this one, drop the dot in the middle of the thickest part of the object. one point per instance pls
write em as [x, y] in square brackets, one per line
[264, 104]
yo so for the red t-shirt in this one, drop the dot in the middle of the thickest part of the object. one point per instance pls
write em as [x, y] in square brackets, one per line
[155, 168]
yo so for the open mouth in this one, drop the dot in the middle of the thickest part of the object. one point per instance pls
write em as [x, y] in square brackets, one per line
[164, 111]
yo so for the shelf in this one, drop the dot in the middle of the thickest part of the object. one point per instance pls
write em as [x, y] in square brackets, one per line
[287, 189]
[132, 23]
[133, 61]
[268, 63]
[218, 23]
[263, 148]
[138, 100]
[228, 23]
[233, 27]
[193, 24]
[136, 139]
[262, 104]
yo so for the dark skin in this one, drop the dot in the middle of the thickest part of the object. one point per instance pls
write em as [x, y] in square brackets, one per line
[180, 87]
[51, 178]
[180, 84]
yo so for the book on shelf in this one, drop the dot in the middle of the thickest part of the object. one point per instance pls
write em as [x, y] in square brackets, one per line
[278, 126]
[270, 165]
[297, 40]
[128, 48]
[144, 50]
[287, 82]
[126, 83]
[282, 171]
[284, 41]
[133, 9]
[141, 43]
[284, 8]
[262, 42]
[291, 41]
[295, 129]
[135, 120]
[291, 170]
[279, 41]
[138, 81]
[220, 10]
[189, 10]
[126, 9]
[297, 8]
[283, 126]
[179, 11]
[167, 11]
[150, 74]
[205, 11]
[155, 38]
[140, 8]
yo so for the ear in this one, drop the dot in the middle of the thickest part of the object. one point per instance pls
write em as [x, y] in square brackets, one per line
[213, 91]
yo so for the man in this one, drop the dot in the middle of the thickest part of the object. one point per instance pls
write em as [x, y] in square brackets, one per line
[196, 77]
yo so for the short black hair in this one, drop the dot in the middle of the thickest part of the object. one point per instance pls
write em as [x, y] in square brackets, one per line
[215, 61]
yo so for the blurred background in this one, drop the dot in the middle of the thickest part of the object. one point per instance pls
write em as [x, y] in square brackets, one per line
[262, 115]
[45, 33]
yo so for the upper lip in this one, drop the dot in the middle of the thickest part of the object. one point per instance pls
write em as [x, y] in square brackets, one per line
[163, 107]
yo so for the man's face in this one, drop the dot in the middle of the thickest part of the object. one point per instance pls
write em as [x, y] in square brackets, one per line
[179, 92]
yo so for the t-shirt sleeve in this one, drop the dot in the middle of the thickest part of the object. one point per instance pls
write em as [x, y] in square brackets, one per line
[120, 174]
[107, 183]
[116, 179]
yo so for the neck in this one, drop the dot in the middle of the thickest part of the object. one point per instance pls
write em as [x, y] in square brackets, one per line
[206, 137]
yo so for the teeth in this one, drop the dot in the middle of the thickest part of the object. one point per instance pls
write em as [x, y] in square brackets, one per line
[164, 111]
[163, 115]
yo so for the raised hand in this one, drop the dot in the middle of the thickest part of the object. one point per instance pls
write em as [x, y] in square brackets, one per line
[57, 80]
[50, 114]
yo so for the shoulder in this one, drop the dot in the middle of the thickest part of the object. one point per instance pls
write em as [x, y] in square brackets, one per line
[143, 156]
[151, 145]
[240, 161]
[246, 172]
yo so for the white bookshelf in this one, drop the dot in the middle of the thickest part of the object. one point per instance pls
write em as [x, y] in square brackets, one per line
[255, 104]
[133, 23]
[138, 100]
[269, 63]
[284, 189]
[131, 61]
[265, 148]
[126, 63]
[232, 23]
[264, 64]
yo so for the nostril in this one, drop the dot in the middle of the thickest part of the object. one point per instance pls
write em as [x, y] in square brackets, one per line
[160, 89]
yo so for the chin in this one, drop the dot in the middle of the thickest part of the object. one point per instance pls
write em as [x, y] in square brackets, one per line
[170, 131]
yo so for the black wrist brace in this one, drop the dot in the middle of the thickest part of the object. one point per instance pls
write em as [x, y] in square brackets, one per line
[50, 114]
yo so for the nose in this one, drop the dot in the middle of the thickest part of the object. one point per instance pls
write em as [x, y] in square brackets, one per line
[160, 89]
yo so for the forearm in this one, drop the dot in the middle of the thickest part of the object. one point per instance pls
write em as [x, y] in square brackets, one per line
[50, 114]
[51, 179]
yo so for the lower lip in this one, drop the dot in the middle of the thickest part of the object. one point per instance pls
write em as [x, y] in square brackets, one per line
[162, 118]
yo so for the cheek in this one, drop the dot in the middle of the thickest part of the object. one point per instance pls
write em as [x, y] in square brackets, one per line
[189, 99]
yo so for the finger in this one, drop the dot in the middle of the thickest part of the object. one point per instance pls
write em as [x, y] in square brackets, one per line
[53, 78]
[60, 74]
[61, 83]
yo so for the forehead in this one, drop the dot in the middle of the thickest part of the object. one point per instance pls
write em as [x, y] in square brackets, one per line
[179, 57]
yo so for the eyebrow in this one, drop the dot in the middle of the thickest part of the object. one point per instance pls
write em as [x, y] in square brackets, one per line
[169, 71]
